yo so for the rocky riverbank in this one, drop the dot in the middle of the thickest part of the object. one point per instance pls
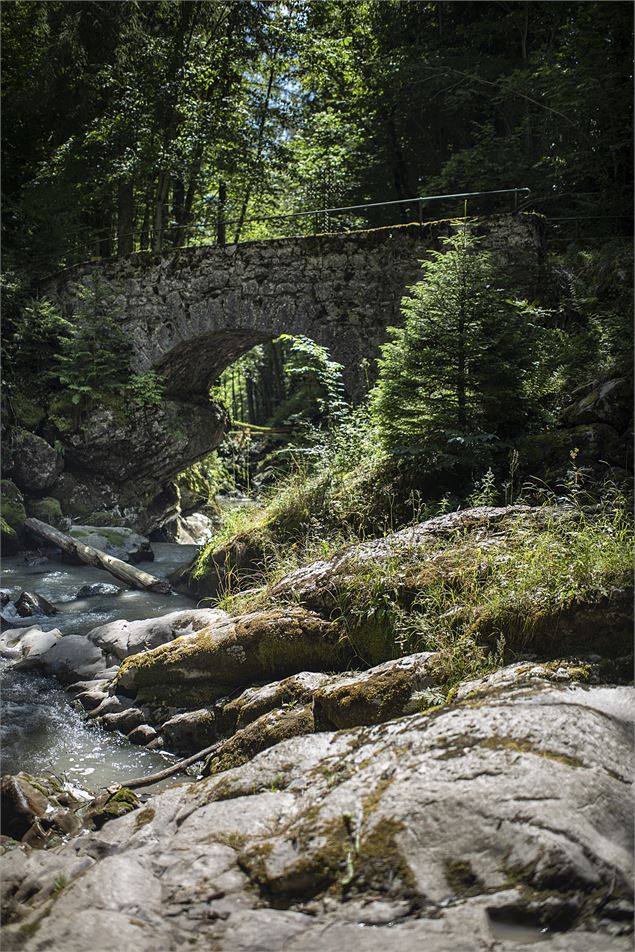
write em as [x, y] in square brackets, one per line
[475, 784]
[504, 817]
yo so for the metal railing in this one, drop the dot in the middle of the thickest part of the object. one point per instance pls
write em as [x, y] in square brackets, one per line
[417, 202]
[320, 217]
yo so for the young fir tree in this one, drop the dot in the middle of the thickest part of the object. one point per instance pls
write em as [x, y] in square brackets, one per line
[94, 359]
[452, 378]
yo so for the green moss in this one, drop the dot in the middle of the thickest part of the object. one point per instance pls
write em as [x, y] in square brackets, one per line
[381, 864]
[521, 745]
[28, 413]
[12, 501]
[144, 817]
[47, 510]
[462, 879]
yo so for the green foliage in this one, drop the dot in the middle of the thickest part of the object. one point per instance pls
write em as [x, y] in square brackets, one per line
[93, 360]
[145, 389]
[453, 379]
[205, 479]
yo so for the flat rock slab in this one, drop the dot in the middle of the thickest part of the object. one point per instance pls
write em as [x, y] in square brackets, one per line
[428, 832]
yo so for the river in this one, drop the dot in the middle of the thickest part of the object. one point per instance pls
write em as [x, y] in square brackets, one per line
[41, 732]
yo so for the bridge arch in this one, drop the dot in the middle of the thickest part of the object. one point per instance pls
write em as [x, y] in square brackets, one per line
[191, 313]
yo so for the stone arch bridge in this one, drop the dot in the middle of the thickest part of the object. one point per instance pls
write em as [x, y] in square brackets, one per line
[191, 313]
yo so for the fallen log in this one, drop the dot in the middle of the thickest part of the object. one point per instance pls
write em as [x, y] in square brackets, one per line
[168, 772]
[129, 574]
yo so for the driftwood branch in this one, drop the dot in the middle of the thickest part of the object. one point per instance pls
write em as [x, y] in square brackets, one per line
[169, 771]
[129, 574]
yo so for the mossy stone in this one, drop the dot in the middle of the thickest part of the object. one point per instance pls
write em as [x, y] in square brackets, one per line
[13, 511]
[28, 413]
[47, 510]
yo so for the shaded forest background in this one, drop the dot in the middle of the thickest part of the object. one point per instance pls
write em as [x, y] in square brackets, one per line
[132, 126]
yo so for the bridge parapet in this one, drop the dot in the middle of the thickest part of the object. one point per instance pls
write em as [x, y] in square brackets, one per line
[193, 312]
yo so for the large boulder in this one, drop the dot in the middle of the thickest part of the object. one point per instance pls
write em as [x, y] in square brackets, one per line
[379, 694]
[209, 664]
[13, 516]
[479, 826]
[36, 465]
[69, 659]
[610, 401]
[47, 510]
[119, 639]
[20, 643]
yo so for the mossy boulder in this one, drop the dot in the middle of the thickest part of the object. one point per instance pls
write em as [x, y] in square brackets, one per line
[256, 701]
[266, 731]
[117, 541]
[190, 731]
[371, 697]
[247, 649]
[47, 510]
[111, 806]
[36, 464]
[13, 516]
[13, 511]
[27, 412]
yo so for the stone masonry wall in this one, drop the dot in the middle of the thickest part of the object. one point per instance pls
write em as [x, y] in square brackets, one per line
[194, 311]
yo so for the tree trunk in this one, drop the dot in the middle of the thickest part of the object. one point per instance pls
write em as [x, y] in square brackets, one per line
[91, 556]
[259, 143]
[220, 223]
[144, 237]
[159, 211]
[125, 218]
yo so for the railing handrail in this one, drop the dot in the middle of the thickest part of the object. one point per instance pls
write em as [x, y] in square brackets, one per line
[351, 208]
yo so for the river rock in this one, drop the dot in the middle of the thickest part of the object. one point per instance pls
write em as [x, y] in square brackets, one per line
[121, 543]
[30, 603]
[96, 589]
[36, 465]
[31, 642]
[190, 731]
[109, 806]
[211, 663]
[266, 731]
[69, 659]
[142, 735]
[195, 529]
[379, 694]
[119, 639]
[429, 832]
[123, 721]
[5, 597]
[21, 803]
[252, 703]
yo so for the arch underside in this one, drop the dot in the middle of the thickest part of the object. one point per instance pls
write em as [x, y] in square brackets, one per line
[191, 367]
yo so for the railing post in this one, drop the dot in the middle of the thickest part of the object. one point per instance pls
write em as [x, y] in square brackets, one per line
[420, 207]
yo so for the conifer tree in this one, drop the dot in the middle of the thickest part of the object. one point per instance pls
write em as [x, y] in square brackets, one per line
[452, 379]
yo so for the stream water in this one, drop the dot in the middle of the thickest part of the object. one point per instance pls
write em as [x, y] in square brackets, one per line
[40, 731]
